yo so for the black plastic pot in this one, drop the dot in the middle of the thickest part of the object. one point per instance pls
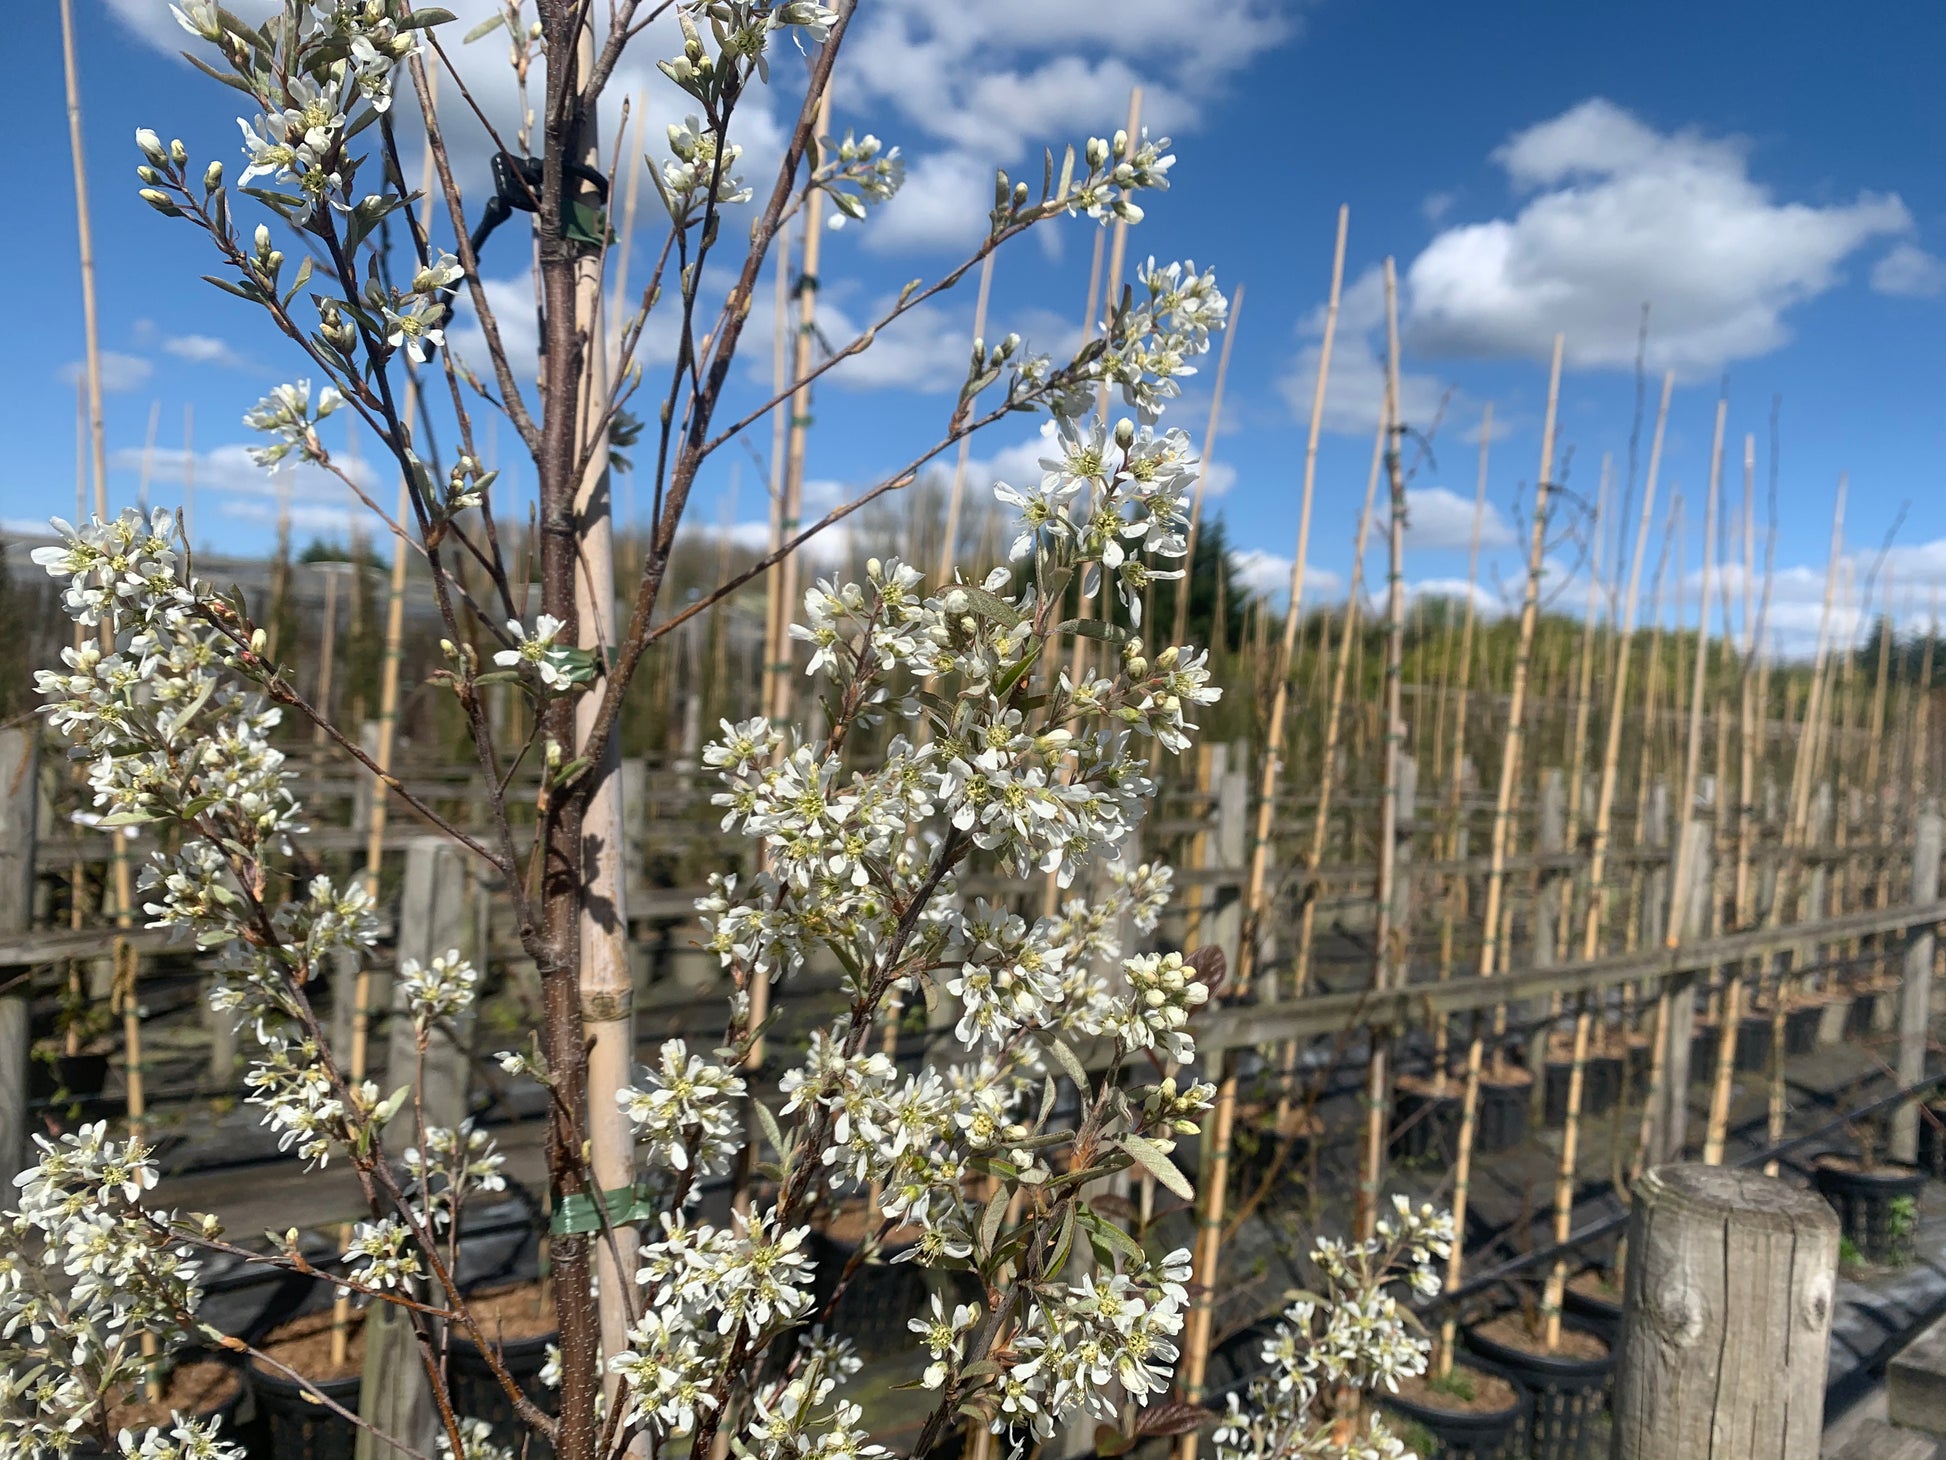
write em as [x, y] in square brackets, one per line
[478, 1395]
[1565, 1396]
[1640, 1062]
[1801, 1028]
[1501, 1121]
[1601, 1086]
[878, 1301]
[1932, 1140]
[1462, 1435]
[298, 1427]
[1876, 1209]
[81, 1075]
[1600, 1316]
[1704, 1045]
[1861, 1016]
[1753, 1044]
[1425, 1126]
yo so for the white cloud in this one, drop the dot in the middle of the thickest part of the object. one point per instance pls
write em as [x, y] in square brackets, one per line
[119, 372]
[994, 83]
[1354, 395]
[1619, 215]
[319, 501]
[1909, 272]
[206, 350]
[1459, 590]
[1437, 517]
[1269, 576]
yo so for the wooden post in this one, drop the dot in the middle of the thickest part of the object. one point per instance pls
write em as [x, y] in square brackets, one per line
[1726, 1318]
[19, 798]
[435, 915]
[1915, 997]
[1669, 1078]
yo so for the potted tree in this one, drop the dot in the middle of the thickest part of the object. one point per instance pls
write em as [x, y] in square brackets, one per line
[1562, 1367]
[1877, 1201]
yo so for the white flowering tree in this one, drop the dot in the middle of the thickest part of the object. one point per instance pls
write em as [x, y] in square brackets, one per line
[954, 735]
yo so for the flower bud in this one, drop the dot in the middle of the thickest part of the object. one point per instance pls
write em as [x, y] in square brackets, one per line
[160, 201]
[151, 146]
[212, 177]
[262, 240]
[178, 153]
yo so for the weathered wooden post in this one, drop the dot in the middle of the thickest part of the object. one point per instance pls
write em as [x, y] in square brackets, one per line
[1669, 1081]
[1229, 831]
[436, 915]
[1726, 1318]
[19, 795]
[1915, 995]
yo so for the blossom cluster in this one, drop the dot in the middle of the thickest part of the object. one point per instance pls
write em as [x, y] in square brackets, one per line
[1354, 1336]
[88, 1276]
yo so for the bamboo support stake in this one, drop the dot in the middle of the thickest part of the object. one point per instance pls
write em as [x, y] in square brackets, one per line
[1490, 939]
[776, 621]
[1214, 1180]
[1799, 811]
[783, 661]
[1287, 650]
[950, 543]
[1584, 690]
[1111, 298]
[1334, 723]
[1453, 902]
[1389, 960]
[1180, 632]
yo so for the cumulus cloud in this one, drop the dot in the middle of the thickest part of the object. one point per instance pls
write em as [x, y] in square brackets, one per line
[1269, 576]
[1618, 214]
[1354, 394]
[119, 373]
[1437, 517]
[989, 85]
[206, 350]
[245, 490]
[1909, 272]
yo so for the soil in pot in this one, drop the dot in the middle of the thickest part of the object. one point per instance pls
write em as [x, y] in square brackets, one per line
[298, 1426]
[519, 1321]
[1426, 1120]
[1877, 1208]
[882, 1295]
[201, 1388]
[1469, 1415]
[1566, 1390]
[1596, 1299]
[1505, 1095]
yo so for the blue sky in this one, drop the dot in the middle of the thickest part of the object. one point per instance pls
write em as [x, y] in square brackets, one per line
[1770, 188]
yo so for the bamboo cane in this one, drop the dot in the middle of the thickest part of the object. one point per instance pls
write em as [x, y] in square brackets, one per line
[1584, 689]
[1454, 900]
[1112, 293]
[950, 543]
[1388, 966]
[1334, 722]
[784, 682]
[776, 613]
[1253, 896]
[1794, 832]
[1180, 632]
[1214, 1178]
[1564, 1179]
[1490, 934]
